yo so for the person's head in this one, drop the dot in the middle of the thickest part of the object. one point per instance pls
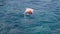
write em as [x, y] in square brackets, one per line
[29, 10]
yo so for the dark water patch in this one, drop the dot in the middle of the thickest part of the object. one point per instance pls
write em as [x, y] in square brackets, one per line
[1, 3]
[29, 17]
[55, 0]
[2, 14]
[47, 22]
[57, 13]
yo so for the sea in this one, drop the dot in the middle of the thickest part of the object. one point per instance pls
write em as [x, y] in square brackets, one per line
[44, 20]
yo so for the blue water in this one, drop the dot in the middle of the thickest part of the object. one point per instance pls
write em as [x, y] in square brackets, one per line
[44, 20]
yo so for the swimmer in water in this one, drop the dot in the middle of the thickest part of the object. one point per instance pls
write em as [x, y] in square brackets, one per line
[28, 11]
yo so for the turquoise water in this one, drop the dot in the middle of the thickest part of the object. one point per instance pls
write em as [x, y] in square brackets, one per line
[44, 20]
